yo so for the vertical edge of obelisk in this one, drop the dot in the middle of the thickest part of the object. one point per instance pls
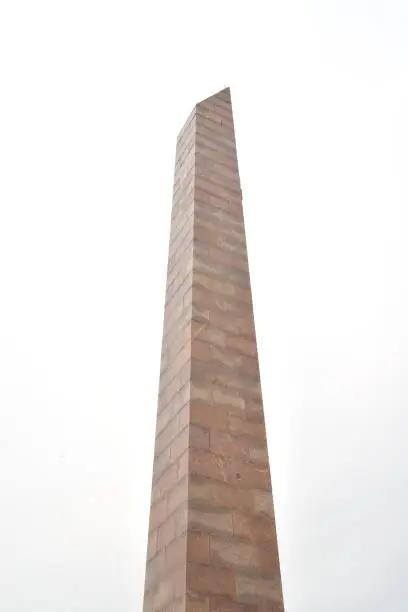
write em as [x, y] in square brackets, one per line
[165, 582]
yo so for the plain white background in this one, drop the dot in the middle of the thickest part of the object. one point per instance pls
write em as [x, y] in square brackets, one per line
[93, 95]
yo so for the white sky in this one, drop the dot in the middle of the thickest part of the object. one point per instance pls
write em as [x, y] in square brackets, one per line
[93, 95]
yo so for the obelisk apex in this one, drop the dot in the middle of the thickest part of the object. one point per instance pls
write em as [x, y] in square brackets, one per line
[212, 543]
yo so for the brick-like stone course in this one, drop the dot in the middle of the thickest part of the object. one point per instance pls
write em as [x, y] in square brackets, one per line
[212, 543]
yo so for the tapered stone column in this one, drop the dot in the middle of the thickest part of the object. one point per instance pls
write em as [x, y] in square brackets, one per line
[212, 538]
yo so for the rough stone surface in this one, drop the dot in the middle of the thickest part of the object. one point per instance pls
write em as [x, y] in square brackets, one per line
[212, 543]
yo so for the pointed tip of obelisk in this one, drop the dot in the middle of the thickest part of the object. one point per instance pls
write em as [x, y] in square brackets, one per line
[223, 94]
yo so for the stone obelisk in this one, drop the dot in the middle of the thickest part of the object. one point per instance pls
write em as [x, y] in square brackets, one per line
[212, 544]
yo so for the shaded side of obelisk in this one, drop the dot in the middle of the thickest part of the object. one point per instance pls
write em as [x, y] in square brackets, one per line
[212, 537]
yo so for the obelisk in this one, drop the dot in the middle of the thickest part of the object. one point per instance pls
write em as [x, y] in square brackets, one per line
[212, 544]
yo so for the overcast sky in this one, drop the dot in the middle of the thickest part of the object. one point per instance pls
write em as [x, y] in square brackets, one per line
[93, 95]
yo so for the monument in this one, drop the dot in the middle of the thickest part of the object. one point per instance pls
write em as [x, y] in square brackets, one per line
[212, 544]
